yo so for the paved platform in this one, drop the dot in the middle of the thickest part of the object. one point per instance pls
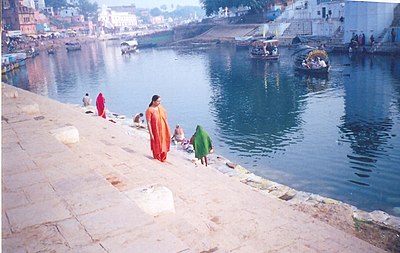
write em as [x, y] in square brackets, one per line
[79, 197]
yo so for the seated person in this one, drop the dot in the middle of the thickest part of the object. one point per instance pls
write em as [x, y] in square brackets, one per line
[137, 121]
[179, 135]
[321, 63]
[305, 64]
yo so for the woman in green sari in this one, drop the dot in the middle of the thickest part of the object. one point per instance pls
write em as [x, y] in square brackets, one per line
[201, 144]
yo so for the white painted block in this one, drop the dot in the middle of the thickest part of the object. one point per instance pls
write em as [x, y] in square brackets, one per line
[66, 135]
[30, 109]
[154, 200]
[11, 94]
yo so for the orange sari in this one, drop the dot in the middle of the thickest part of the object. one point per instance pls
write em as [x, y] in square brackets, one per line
[161, 134]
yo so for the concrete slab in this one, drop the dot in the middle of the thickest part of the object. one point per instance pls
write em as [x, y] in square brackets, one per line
[114, 220]
[37, 213]
[148, 239]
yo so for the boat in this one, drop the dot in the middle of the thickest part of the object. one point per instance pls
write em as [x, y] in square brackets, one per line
[31, 52]
[12, 61]
[129, 46]
[266, 49]
[311, 60]
[51, 50]
[73, 46]
[243, 42]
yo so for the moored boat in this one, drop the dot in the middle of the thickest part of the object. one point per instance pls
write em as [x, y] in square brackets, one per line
[51, 50]
[311, 60]
[73, 46]
[243, 42]
[129, 46]
[264, 49]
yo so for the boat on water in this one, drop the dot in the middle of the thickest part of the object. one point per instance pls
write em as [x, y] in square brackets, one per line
[243, 42]
[73, 46]
[129, 46]
[12, 61]
[51, 50]
[265, 49]
[311, 60]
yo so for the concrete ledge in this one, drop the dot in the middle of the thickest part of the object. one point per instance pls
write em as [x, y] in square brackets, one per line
[66, 135]
[154, 200]
[31, 109]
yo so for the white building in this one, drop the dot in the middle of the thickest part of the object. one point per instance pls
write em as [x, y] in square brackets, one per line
[70, 12]
[117, 19]
[39, 4]
[317, 17]
[28, 3]
[368, 17]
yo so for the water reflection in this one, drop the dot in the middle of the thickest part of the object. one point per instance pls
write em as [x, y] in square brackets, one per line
[336, 135]
[256, 107]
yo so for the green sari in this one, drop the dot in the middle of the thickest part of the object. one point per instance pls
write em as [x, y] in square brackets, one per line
[201, 143]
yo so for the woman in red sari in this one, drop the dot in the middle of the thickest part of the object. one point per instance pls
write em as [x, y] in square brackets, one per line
[101, 108]
[160, 136]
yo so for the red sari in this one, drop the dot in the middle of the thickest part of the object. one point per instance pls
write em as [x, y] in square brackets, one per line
[161, 141]
[101, 108]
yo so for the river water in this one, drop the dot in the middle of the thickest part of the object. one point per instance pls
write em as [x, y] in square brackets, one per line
[337, 136]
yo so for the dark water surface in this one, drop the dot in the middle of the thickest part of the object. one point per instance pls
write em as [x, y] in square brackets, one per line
[336, 136]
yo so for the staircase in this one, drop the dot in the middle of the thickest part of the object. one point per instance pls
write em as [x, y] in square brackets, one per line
[298, 27]
[379, 40]
[396, 16]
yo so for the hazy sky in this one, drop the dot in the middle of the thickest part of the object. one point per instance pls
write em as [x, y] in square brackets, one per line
[148, 3]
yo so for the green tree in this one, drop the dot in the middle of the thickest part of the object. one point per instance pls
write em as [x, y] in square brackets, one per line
[163, 7]
[87, 9]
[155, 12]
[56, 4]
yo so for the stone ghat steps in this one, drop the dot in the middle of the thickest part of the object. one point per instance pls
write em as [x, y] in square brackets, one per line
[67, 196]
[228, 31]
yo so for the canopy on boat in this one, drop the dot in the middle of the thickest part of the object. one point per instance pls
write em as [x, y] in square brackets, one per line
[261, 42]
[310, 39]
[307, 52]
[129, 43]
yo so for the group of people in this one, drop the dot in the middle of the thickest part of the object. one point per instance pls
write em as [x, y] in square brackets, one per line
[160, 137]
[314, 63]
[159, 131]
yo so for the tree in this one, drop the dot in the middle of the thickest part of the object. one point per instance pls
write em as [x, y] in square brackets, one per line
[155, 12]
[163, 7]
[213, 6]
[56, 4]
[87, 9]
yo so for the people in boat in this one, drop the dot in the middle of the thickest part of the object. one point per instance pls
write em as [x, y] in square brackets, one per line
[86, 100]
[321, 63]
[305, 64]
[179, 134]
[275, 50]
[265, 48]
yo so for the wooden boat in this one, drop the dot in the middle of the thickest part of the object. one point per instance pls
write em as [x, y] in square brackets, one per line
[129, 46]
[51, 50]
[243, 42]
[265, 49]
[311, 60]
[73, 46]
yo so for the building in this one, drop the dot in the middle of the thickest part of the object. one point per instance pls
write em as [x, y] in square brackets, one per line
[368, 17]
[118, 17]
[17, 16]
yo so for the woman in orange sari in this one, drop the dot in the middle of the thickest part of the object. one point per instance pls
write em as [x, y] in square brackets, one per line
[101, 108]
[160, 136]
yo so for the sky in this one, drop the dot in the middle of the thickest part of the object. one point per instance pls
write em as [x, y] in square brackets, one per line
[148, 3]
